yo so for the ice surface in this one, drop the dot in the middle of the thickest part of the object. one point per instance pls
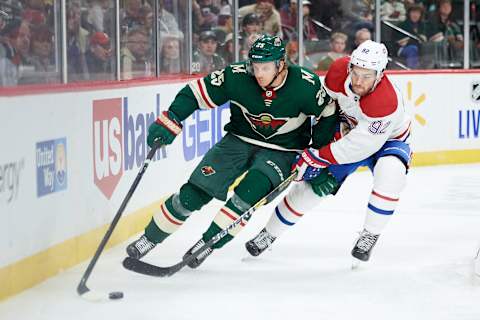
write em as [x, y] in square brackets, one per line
[421, 267]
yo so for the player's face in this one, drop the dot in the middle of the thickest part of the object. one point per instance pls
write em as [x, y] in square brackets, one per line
[264, 72]
[362, 80]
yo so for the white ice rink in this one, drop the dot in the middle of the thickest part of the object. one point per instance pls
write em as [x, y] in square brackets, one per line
[421, 267]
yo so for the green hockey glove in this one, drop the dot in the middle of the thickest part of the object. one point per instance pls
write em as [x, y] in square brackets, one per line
[324, 184]
[165, 129]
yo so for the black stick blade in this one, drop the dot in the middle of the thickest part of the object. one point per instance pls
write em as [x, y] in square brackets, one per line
[139, 266]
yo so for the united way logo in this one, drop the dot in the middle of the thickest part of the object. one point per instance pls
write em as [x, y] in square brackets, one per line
[476, 91]
[51, 164]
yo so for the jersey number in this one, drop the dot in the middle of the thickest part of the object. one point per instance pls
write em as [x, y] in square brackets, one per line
[321, 94]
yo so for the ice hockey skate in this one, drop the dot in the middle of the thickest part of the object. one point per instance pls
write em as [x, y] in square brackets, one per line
[364, 245]
[260, 243]
[140, 247]
[195, 263]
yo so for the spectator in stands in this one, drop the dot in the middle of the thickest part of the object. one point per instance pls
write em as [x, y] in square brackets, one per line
[135, 58]
[225, 23]
[251, 28]
[225, 6]
[409, 48]
[98, 57]
[269, 16]
[338, 46]
[167, 23]
[358, 14]
[34, 12]
[247, 44]
[41, 57]
[130, 16]
[228, 54]
[329, 13]
[442, 27]
[250, 24]
[146, 20]
[393, 11]
[146, 14]
[209, 14]
[96, 13]
[77, 39]
[288, 15]
[170, 54]
[205, 58]
[14, 49]
[3, 19]
[292, 52]
[361, 36]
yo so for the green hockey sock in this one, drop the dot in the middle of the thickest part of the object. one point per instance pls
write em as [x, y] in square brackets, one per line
[174, 211]
[251, 189]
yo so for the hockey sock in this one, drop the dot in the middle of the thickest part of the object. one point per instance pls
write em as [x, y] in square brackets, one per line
[252, 188]
[388, 182]
[298, 201]
[174, 211]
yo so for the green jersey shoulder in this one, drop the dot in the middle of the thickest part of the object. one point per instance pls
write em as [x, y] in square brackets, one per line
[276, 117]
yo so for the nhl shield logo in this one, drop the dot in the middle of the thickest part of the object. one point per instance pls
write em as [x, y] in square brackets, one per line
[476, 91]
[207, 171]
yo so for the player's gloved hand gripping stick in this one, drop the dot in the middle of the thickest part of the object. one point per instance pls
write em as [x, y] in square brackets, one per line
[164, 129]
[309, 164]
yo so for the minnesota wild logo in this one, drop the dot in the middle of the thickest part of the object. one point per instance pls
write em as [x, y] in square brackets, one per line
[265, 124]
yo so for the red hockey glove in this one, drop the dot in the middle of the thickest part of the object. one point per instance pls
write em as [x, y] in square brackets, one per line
[309, 164]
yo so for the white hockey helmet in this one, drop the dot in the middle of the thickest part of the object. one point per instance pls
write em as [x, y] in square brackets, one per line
[370, 55]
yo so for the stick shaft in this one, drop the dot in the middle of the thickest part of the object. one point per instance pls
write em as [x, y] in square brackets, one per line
[82, 286]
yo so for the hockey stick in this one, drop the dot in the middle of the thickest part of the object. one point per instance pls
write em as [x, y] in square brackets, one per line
[157, 271]
[82, 289]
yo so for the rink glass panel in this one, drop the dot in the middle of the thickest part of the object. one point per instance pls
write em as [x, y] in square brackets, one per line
[153, 38]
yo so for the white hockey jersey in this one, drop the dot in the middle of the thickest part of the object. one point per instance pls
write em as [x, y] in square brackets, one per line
[375, 118]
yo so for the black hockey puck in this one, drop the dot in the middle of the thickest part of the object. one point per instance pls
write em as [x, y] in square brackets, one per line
[115, 295]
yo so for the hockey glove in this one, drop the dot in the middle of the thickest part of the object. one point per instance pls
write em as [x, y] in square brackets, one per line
[309, 164]
[164, 129]
[324, 184]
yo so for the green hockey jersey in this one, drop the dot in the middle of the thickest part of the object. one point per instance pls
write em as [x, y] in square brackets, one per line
[275, 118]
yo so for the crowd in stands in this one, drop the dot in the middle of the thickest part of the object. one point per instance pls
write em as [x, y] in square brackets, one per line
[416, 32]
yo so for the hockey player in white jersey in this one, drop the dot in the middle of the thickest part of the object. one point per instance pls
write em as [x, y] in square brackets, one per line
[376, 130]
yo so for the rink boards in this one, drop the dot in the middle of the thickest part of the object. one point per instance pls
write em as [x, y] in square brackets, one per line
[68, 159]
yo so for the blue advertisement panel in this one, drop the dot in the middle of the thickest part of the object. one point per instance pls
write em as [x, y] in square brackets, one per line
[51, 164]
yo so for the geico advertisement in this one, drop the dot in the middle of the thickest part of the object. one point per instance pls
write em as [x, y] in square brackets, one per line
[120, 129]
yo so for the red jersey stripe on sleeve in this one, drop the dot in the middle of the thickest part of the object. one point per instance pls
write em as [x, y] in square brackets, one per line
[326, 153]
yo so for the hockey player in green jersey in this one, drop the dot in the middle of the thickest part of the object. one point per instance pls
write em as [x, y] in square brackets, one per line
[270, 104]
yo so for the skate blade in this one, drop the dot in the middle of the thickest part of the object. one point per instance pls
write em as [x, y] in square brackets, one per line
[248, 259]
[355, 264]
